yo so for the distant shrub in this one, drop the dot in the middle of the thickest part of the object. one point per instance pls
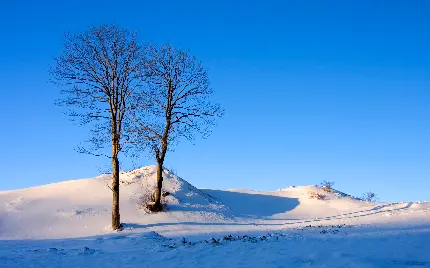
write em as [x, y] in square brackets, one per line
[369, 197]
[315, 195]
[327, 186]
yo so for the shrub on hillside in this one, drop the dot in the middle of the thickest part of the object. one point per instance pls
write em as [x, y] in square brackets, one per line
[369, 196]
[147, 203]
[146, 200]
[327, 186]
[315, 195]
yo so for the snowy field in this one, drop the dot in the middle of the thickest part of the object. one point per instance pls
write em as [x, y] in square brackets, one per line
[67, 225]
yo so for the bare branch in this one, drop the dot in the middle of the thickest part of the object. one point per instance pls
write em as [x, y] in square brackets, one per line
[99, 71]
[175, 103]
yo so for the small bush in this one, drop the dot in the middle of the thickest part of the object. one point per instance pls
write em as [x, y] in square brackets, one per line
[315, 195]
[149, 205]
[369, 197]
[146, 200]
[327, 186]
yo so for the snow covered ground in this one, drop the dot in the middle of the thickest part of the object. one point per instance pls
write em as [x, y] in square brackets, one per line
[67, 225]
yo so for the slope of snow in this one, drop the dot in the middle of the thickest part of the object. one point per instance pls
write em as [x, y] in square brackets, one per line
[338, 231]
[82, 208]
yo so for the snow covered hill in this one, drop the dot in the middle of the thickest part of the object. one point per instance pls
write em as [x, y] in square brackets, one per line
[82, 208]
[67, 224]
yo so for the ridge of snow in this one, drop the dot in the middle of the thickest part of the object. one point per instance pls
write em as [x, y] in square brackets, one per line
[80, 208]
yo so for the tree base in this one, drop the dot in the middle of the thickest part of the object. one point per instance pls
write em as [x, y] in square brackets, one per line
[153, 207]
[121, 228]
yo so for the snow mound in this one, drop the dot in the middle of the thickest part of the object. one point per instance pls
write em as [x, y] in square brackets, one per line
[181, 194]
[328, 195]
[82, 208]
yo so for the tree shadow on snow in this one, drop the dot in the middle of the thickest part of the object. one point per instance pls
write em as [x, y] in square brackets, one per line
[254, 205]
[158, 224]
[386, 208]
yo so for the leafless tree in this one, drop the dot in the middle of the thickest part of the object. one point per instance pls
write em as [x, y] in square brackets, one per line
[99, 71]
[176, 104]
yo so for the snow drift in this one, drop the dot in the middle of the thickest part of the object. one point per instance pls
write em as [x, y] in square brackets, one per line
[82, 208]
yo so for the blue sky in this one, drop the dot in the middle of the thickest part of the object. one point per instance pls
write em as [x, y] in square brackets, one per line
[313, 91]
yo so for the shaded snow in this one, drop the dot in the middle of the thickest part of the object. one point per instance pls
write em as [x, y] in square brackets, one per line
[310, 247]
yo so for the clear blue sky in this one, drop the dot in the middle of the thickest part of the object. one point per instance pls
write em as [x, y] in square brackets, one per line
[313, 90]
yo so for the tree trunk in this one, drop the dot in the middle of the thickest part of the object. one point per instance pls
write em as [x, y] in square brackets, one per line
[116, 223]
[158, 187]
[160, 156]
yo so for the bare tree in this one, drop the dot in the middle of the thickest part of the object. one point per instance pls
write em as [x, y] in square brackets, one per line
[176, 104]
[99, 71]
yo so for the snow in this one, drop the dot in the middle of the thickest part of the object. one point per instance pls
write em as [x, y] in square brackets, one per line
[66, 224]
